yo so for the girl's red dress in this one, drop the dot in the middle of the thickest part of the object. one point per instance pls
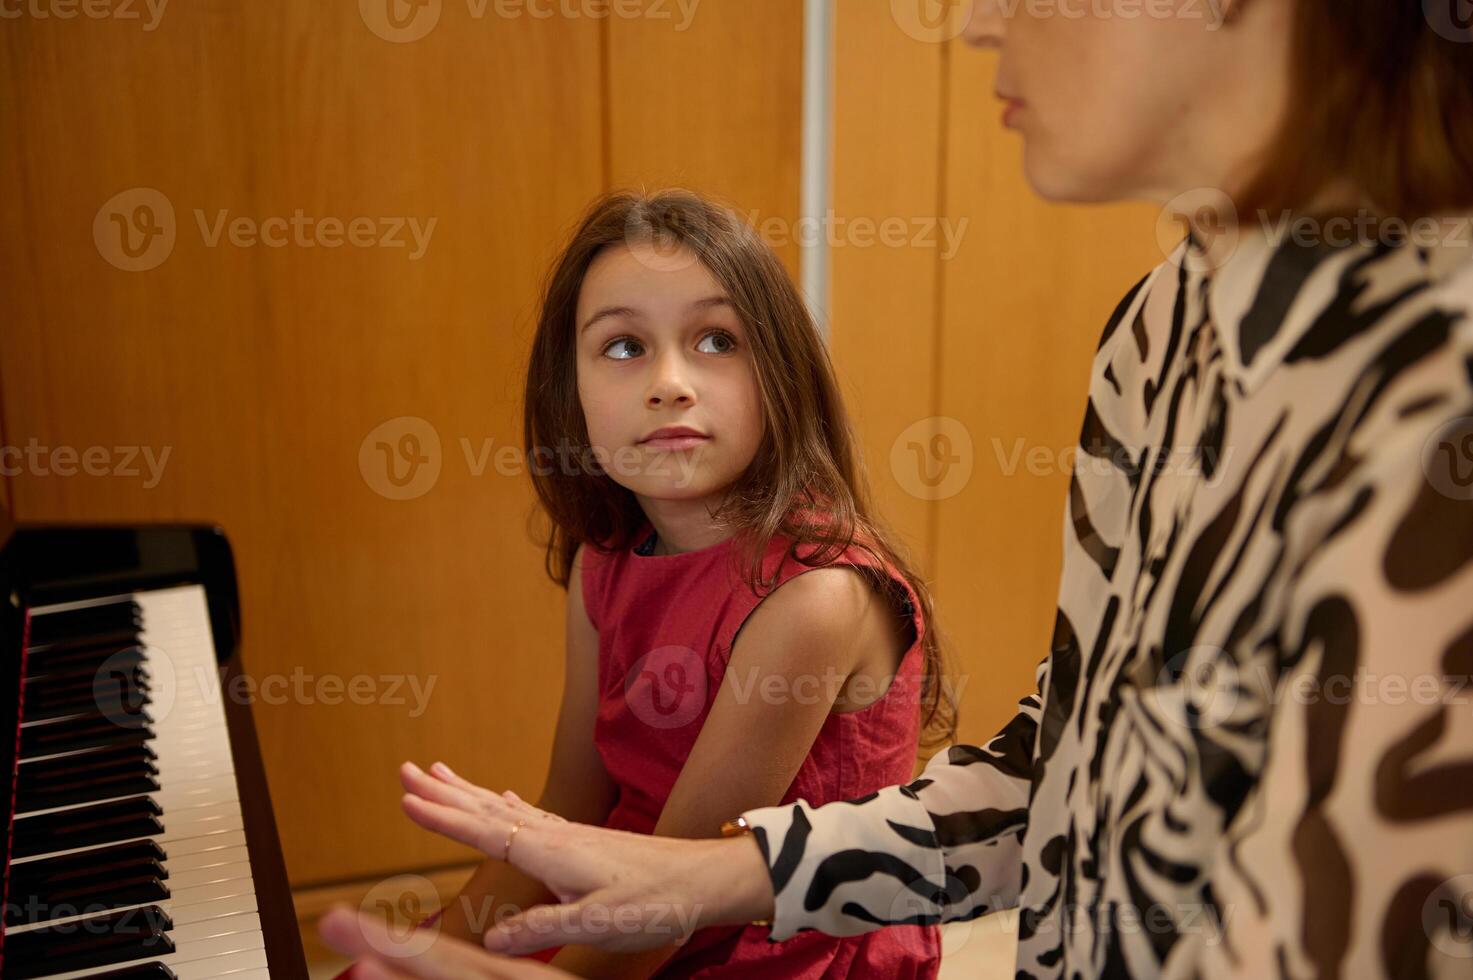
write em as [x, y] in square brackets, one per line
[666, 625]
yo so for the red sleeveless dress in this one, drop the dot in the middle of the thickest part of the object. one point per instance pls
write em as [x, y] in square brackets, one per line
[666, 625]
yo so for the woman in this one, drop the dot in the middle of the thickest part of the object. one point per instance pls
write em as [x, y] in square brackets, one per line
[1251, 749]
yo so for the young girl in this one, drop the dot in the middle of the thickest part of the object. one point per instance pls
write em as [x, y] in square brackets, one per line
[740, 631]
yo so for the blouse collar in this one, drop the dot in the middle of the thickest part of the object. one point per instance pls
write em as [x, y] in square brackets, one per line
[1273, 285]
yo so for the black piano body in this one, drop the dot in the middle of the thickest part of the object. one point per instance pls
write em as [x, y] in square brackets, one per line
[130, 852]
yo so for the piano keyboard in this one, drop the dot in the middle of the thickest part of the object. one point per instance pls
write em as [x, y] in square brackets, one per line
[129, 853]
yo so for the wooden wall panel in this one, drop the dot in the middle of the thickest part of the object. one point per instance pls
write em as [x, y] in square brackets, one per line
[262, 370]
[985, 343]
[888, 138]
[1024, 305]
[716, 107]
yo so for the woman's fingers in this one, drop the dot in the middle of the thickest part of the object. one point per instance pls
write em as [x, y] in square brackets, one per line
[421, 783]
[485, 833]
[381, 957]
[599, 920]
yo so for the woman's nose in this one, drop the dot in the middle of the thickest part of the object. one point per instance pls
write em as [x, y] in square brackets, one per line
[986, 25]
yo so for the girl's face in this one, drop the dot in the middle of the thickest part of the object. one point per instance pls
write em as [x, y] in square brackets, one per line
[659, 345]
[1143, 99]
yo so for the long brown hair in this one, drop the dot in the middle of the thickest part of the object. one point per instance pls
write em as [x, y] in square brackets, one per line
[1381, 98]
[806, 463]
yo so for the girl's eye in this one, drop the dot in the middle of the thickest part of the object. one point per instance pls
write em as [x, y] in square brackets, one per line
[628, 341]
[725, 339]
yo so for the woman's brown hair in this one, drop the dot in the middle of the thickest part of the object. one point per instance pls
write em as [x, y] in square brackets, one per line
[1381, 101]
[806, 464]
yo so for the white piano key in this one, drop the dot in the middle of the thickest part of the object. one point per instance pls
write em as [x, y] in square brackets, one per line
[212, 900]
[180, 880]
[222, 925]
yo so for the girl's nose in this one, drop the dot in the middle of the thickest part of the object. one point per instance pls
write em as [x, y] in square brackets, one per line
[986, 25]
[669, 385]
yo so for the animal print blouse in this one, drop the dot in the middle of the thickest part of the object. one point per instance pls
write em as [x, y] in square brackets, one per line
[1251, 749]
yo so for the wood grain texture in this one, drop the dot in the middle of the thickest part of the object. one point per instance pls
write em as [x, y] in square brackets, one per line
[265, 372]
[262, 370]
[888, 133]
[716, 107]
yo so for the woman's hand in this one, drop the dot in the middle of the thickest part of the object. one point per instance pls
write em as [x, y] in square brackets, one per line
[379, 955]
[619, 891]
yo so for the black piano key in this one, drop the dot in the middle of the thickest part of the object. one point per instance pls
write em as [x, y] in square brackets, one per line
[86, 826]
[88, 703]
[119, 728]
[43, 780]
[119, 637]
[85, 791]
[83, 665]
[32, 875]
[86, 621]
[92, 760]
[87, 943]
[130, 886]
[143, 971]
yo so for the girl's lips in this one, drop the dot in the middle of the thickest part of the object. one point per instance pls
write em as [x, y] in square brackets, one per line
[676, 442]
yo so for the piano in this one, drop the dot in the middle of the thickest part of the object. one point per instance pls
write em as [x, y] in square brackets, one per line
[140, 841]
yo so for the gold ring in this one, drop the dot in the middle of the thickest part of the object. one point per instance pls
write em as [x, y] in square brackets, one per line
[509, 837]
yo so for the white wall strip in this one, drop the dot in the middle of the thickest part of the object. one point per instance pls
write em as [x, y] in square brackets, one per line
[816, 194]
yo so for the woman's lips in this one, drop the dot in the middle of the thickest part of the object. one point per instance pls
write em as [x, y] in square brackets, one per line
[676, 442]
